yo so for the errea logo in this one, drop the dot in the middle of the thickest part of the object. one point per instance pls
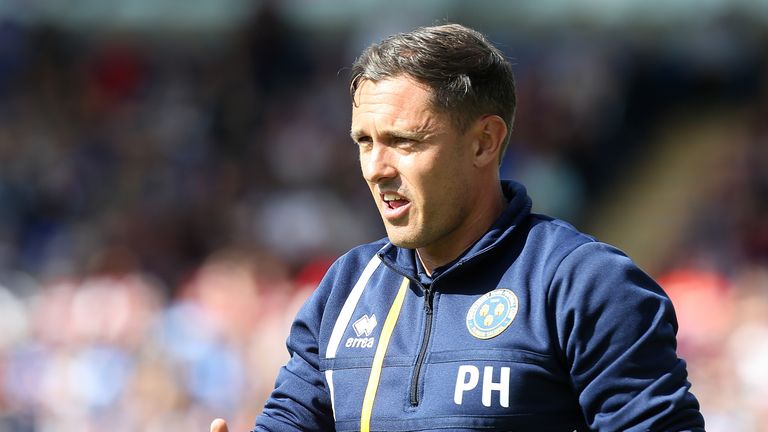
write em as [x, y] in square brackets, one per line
[363, 328]
[365, 325]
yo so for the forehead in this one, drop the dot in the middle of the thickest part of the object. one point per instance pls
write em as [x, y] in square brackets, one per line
[401, 88]
[397, 102]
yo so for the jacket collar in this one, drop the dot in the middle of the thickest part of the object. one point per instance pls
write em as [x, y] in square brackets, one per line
[518, 208]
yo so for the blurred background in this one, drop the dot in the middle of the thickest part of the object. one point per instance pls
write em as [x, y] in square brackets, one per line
[176, 176]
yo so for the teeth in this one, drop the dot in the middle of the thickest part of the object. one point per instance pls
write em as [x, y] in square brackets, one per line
[391, 197]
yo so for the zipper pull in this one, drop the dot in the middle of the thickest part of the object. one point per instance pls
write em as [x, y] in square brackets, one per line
[428, 296]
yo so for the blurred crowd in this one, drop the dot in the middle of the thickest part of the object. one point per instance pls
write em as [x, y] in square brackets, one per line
[166, 205]
[718, 282]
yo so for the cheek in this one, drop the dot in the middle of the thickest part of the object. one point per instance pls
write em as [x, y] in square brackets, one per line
[450, 185]
[436, 187]
[363, 160]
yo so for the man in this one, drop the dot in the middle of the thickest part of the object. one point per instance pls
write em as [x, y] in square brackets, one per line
[473, 313]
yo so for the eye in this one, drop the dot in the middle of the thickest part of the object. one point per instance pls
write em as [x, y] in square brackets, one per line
[363, 141]
[404, 143]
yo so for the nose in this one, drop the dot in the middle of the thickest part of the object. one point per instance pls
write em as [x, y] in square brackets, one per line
[377, 163]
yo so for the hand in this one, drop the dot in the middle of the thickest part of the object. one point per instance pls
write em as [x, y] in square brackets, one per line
[219, 425]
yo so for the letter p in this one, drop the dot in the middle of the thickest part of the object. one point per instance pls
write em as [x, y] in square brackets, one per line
[466, 379]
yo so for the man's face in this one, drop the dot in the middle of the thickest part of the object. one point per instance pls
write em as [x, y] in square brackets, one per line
[416, 163]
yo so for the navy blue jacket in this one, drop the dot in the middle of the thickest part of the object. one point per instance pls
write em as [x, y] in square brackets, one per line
[537, 327]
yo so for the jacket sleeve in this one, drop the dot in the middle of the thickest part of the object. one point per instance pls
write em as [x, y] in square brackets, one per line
[617, 334]
[300, 400]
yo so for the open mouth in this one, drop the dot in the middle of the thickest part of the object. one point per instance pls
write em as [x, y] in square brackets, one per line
[394, 201]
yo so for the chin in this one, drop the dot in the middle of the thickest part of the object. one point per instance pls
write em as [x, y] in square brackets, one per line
[403, 244]
[403, 241]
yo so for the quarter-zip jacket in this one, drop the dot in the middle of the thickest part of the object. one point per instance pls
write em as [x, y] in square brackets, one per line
[536, 327]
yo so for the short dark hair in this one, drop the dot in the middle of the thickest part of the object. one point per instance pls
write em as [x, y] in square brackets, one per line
[467, 75]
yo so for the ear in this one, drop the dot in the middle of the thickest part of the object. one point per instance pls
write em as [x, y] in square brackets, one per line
[489, 134]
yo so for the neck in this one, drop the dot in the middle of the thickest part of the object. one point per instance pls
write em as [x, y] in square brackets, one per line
[472, 228]
[423, 264]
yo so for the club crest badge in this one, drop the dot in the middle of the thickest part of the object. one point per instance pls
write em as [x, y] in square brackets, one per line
[492, 313]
